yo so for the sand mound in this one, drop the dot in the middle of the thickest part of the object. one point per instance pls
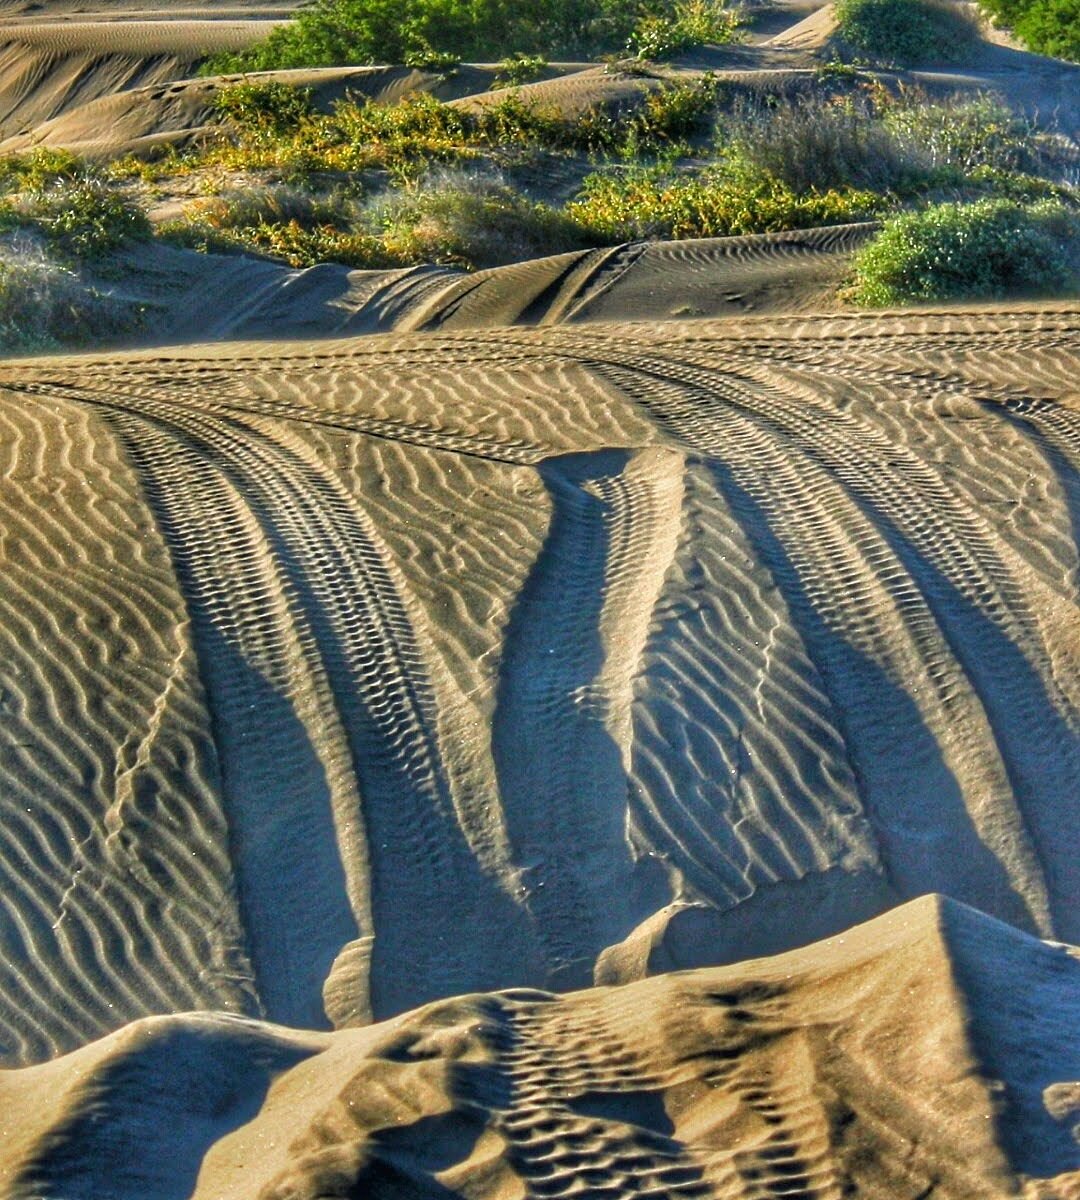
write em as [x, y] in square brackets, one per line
[611, 645]
[206, 297]
[138, 119]
[931, 1052]
[50, 66]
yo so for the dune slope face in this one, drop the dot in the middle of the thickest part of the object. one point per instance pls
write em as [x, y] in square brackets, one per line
[340, 678]
[897, 1061]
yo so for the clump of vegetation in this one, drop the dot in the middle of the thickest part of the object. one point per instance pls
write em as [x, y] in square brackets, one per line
[517, 69]
[906, 31]
[821, 142]
[686, 24]
[265, 130]
[471, 221]
[1045, 26]
[976, 132]
[79, 218]
[985, 249]
[39, 169]
[434, 32]
[45, 305]
[717, 203]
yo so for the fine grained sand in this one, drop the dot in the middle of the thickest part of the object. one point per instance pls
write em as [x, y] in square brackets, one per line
[363, 700]
[345, 676]
[931, 1052]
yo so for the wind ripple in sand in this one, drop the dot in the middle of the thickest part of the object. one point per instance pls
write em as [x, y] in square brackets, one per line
[522, 655]
[929, 1052]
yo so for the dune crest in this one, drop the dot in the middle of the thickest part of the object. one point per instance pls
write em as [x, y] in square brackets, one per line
[932, 1050]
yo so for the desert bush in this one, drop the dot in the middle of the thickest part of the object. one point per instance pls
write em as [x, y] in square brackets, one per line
[38, 169]
[906, 31]
[408, 136]
[339, 32]
[719, 203]
[817, 142]
[988, 248]
[79, 218]
[470, 221]
[442, 32]
[269, 109]
[270, 204]
[963, 133]
[516, 69]
[685, 24]
[44, 304]
[1045, 26]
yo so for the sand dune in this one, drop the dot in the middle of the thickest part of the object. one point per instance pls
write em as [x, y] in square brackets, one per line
[50, 66]
[608, 643]
[196, 296]
[930, 1052]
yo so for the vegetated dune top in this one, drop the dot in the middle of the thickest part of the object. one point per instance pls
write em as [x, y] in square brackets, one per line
[342, 676]
[932, 1050]
[77, 66]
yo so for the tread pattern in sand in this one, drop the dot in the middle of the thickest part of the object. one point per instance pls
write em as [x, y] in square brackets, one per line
[571, 637]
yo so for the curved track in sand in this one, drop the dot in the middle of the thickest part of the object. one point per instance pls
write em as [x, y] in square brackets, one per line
[605, 644]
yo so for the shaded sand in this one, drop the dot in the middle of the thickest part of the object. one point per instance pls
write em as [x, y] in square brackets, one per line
[195, 296]
[345, 676]
[932, 1052]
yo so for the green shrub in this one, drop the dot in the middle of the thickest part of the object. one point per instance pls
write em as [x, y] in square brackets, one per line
[340, 32]
[1045, 26]
[655, 204]
[906, 31]
[686, 24]
[80, 218]
[267, 109]
[989, 248]
[38, 169]
[517, 69]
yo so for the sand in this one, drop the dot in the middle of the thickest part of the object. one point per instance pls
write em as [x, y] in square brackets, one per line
[608, 641]
[929, 1052]
[603, 726]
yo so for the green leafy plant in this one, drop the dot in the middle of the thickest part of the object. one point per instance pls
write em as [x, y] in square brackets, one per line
[517, 69]
[79, 218]
[269, 109]
[686, 24]
[989, 248]
[655, 203]
[906, 31]
[1045, 26]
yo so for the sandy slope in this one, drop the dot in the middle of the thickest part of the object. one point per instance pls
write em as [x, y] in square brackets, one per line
[341, 677]
[932, 1052]
[48, 66]
[195, 296]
